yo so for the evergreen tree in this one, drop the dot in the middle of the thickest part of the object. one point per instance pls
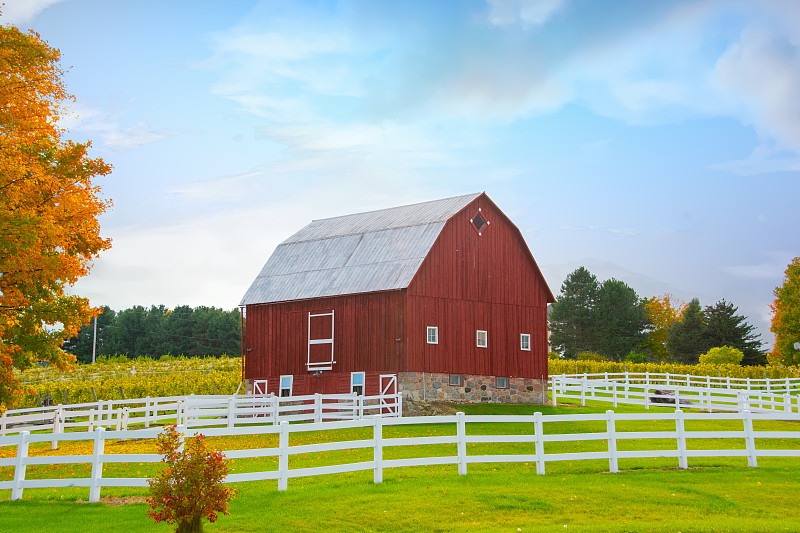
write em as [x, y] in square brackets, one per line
[725, 328]
[620, 320]
[572, 327]
[687, 338]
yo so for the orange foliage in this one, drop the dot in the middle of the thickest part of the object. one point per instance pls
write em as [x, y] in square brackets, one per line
[786, 317]
[48, 210]
[662, 312]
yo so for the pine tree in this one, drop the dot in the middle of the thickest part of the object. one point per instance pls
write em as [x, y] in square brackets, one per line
[725, 328]
[687, 338]
[620, 320]
[572, 328]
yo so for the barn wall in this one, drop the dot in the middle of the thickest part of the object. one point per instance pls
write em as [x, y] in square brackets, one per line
[366, 332]
[473, 282]
[327, 383]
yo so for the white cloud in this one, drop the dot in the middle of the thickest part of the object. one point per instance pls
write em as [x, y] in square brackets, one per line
[22, 12]
[772, 268]
[763, 71]
[527, 12]
[762, 159]
[111, 134]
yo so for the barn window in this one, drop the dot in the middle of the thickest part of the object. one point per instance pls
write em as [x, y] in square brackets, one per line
[357, 383]
[286, 385]
[479, 222]
[433, 335]
[502, 383]
[481, 339]
[456, 380]
[525, 342]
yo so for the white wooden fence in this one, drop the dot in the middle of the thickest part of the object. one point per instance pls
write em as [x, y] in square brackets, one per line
[193, 411]
[536, 438]
[681, 391]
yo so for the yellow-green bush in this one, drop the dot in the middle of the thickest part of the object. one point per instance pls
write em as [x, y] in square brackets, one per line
[566, 366]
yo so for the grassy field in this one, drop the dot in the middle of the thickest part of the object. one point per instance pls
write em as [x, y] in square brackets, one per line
[649, 495]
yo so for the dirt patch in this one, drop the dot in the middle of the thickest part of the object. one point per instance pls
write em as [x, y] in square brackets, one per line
[427, 408]
[119, 500]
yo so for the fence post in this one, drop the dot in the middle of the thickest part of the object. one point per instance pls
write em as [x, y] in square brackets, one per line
[555, 390]
[461, 436]
[787, 403]
[683, 461]
[3, 423]
[275, 406]
[583, 390]
[19, 467]
[147, 412]
[97, 465]
[615, 394]
[317, 407]
[612, 442]
[182, 437]
[749, 438]
[647, 396]
[538, 431]
[57, 414]
[377, 448]
[677, 398]
[283, 456]
[231, 412]
[667, 379]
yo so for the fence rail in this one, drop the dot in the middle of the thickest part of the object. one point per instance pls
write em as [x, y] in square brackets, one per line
[194, 411]
[681, 391]
[285, 450]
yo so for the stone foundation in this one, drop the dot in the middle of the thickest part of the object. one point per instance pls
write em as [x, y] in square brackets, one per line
[427, 386]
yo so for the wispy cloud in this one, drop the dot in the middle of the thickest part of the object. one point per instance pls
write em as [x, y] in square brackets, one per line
[23, 12]
[106, 127]
[526, 12]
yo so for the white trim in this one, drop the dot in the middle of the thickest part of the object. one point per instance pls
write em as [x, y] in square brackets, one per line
[435, 330]
[522, 338]
[363, 382]
[478, 338]
[497, 382]
[459, 379]
[320, 365]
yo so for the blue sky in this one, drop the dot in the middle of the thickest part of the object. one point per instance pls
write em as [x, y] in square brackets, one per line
[654, 142]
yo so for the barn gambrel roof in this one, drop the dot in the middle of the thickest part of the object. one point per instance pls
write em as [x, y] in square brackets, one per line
[366, 252]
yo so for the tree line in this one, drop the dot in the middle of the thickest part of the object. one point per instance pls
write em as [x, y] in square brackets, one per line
[142, 332]
[609, 319]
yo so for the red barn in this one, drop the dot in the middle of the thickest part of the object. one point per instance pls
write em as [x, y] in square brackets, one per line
[441, 300]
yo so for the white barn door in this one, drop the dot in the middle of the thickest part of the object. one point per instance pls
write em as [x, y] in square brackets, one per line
[388, 387]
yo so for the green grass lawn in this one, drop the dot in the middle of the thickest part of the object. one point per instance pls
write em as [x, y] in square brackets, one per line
[715, 494]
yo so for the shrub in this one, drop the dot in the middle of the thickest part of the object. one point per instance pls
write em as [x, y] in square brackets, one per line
[553, 356]
[722, 356]
[190, 487]
[636, 357]
[590, 356]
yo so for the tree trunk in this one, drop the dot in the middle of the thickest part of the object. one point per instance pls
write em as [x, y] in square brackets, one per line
[193, 525]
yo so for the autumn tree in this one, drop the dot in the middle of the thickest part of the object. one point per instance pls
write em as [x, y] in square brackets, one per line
[661, 312]
[48, 211]
[786, 317]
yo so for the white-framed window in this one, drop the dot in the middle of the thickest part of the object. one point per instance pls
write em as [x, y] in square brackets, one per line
[433, 335]
[481, 340]
[286, 385]
[502, 383]
[456, 380]
[525, 341]
[357, 383]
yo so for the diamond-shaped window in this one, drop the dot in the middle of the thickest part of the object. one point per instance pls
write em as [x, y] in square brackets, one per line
[479, 222]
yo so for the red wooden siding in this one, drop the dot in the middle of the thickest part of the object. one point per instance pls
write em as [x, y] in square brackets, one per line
[366, 332]
[473, 282]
